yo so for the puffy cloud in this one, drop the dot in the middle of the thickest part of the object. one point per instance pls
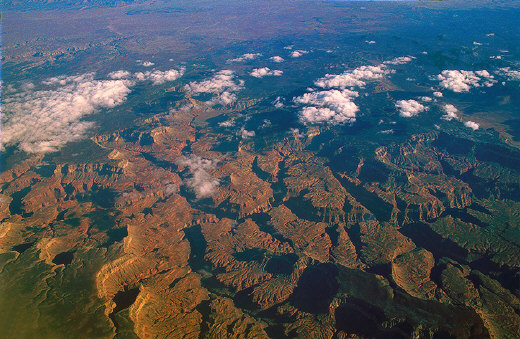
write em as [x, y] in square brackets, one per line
[438, 94]
[277, 58]
[298, 53]
[451, 112]
[145, 63]
[409, 108]
[426, 99]
[471, 124]
[43, 121]
[278, 102]
[200, 181]
[509, 73]
[245, 57]
[463, 81]
[265, 71]
[227, 123]
[334, 106]
[245, 134]
[121, 74]
[354, 78]
[159, 77]
[400, 60]
[223, 83]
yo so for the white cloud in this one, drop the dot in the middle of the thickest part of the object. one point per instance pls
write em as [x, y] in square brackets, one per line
[289, 47]
[220, 82]
[43, 121]
[227, 123]
[386, 131]
[121, 74]
[223, 83]
[298, 53]
[463, 81]
[510, 73]
[200, 181]
[370, 42]
[267, 123]
[278, 102]
[471, 124]
[145, 63]
[451, 112]
[245, 134]
[277, 58]
[265, 71]
[400, 60]
[354, 78]
[245, 57]
[426, 99]
[159, 77]
[438, 94]
[409, 108]
[334, 106]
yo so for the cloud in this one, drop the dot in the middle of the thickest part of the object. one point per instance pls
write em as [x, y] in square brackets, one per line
[265, 71]
[278, 102]
[438, 94]
[245, 57]
[289, 47]
[426, 99]
[463, 81]
[451, 112]
[471, 124]
[200, 181]
[159, 77]
[245, 134]
[334, 106]
[223, 84]
[370, 42]
[121, 74]
[298, 53]
[399, 60]
[409, 108]
[145, 63]
[277, 58]
[509, 73]
[227, 123]
[43, 121]
[354, 78]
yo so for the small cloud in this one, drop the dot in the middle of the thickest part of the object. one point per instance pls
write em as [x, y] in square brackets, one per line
[451, 112]
[159, 77]
[333, 106]
[409, 108]
[265, 71]
[278, 102]
[245, 134]
[477, 43]
[509, 73]
[277, 58]
[400, 60]
[145, 63]
[200, 181]
[298, 53]
[471, 124]
[354, 78]
[370, 42]
[223, 84]
[386, 131]
[426, 99]
[246, 57]
[267, 123]
[438, 94]
[490, 34]
[289, 47]
[463, 81]
[121, 74]
[227, 123]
